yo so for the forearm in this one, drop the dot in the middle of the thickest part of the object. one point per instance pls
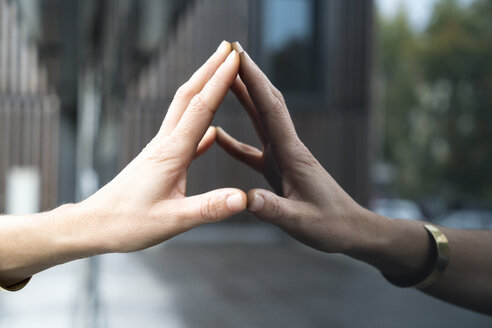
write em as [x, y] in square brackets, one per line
[403, 250]
[32, 243]
[468, 279]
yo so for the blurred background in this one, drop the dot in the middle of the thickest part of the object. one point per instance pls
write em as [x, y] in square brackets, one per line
[393, 97]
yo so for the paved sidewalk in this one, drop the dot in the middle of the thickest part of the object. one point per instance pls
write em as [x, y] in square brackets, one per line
[51, 299]
[288, 285]
[261, 280]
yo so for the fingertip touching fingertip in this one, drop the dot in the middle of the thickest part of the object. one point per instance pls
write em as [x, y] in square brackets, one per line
[223, 46]
[221, 131]
[232, 56]
[257, 202]
[237, 46]
[235, 202]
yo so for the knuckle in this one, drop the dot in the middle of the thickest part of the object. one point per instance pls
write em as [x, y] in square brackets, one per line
[164, 151]
[276, 211]
[153, 151]
[304, 155]
[199, 103]
[278, 104]
[279, 96]
[183, 92]
[210, 210]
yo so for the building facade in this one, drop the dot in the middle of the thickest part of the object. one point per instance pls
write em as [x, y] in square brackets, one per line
[29, 117]
[116, 64]
[318, 53]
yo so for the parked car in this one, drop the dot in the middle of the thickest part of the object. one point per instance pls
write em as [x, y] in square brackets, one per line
[396, 208]
[467, 219]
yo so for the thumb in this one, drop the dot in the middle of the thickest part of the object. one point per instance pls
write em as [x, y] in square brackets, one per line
[213, 206]
[269, 207]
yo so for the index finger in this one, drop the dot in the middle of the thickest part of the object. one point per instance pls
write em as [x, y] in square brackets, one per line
[196, 82]
[201, 110]
[269, 103]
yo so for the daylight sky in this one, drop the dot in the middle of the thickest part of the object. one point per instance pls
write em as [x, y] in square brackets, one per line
[419, 10]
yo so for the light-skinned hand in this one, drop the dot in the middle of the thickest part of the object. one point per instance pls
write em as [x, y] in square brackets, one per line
[147, 203]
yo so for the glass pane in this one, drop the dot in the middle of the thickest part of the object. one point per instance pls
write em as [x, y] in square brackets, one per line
[287, 44]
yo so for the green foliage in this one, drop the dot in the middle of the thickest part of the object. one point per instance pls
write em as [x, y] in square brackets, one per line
[437, 101]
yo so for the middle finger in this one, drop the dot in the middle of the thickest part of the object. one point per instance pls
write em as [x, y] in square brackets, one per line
[193, 86]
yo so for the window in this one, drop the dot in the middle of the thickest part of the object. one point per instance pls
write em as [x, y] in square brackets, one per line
[288, 46]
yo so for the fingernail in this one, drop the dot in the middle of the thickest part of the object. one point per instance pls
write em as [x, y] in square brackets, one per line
[237, 46]
[257, 203]
[243, 56]
[235, 203]
[222, 45]
[231, 56]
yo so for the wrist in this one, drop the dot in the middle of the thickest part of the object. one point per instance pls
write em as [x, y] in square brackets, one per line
[77, 234]
[32, 243]
[398, 248]
[369, 235]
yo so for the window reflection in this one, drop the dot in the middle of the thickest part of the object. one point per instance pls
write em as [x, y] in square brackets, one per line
[287, 45]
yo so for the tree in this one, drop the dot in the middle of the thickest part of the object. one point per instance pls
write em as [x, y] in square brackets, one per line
[438, 101]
